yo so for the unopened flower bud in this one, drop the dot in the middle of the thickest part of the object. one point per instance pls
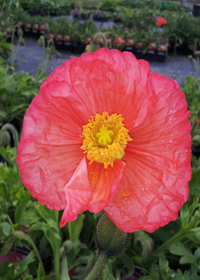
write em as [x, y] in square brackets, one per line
[109, 238]
[41, 41]
[21, 41]
[52, 49]
[196, 140]
[93, 47]
[58, 55]
[190, 57]
[19, 32]
[4, 138]
[10, 70]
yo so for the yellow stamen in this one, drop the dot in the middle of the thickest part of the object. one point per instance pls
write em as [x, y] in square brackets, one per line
[105, 138]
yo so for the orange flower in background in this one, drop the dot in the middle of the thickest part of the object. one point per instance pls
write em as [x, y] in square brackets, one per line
[106, 134]
[197, 120]
[161, 21]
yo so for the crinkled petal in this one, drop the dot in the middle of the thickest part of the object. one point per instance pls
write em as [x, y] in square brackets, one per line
[91, 188]
[45, 170]
[155, 180]
[49, 150]
[104, 183]
[78, 194]
[116, 82]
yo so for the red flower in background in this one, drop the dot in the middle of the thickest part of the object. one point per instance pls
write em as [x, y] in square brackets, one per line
[119, 40]
[106, 134]
[161, 21]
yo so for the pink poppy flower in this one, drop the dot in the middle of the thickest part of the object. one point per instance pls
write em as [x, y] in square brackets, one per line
[106, 134]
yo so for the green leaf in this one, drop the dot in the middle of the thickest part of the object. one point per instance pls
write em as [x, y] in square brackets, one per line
[75, 227]
[195, 183]
[179, 249]
[28, 277]
[24, 216]
[21, 234]
[40, 272]
[23, 195]
[4, 268]
[147, 246]
[164, 267]
[68, 245]
[6, 228]
[7, 246]
[185, 215]
[22, 265]
[194, 222]
[197, 255]
[83, 270]
[73, 254]
[64, 271]
[108, 272]
[127, 261]
[46, 213]
[187, 259]
[154, 272]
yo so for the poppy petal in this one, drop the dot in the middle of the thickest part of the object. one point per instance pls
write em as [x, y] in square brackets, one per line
[114, 82]
[90, 188]
[104, 183]
[154, 184]
[78, 194]
[50, 143]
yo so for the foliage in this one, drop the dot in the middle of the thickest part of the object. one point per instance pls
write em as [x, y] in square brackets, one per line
[5, 47]
[16, 92]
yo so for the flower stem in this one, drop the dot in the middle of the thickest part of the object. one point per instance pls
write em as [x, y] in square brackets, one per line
[174, 239]
[118, 275]
[56, 262]
[57, 254]
[98, 267]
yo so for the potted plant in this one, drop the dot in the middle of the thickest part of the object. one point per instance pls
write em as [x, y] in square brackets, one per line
[129, 35]
[36, 21]
[27, 25]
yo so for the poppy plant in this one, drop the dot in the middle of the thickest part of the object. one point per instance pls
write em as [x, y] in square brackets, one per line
[106, 134]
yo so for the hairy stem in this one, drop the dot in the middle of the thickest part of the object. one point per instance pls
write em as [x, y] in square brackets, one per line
[98, 267]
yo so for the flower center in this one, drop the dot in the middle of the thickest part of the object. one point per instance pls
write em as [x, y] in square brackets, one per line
[105, 138]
